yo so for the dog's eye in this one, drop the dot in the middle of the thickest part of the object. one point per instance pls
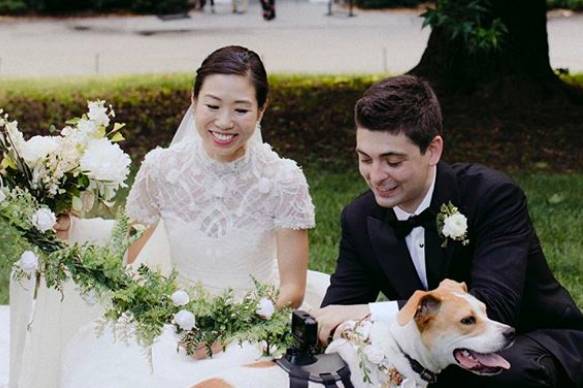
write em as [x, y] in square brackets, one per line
[468, 320]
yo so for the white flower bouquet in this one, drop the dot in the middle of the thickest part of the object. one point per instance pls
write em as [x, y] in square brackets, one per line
[71, 169]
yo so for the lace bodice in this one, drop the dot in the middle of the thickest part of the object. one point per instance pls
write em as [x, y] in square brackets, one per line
[221, 218]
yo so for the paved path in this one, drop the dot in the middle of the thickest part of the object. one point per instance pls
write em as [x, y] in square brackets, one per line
[301, 39]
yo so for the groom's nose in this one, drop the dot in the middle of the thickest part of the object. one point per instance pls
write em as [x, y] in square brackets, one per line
[377, 174]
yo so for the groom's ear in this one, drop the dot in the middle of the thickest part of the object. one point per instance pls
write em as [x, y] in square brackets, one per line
[435, 150]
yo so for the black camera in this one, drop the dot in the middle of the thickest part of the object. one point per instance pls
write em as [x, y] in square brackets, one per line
[302, 363]
[305, 333]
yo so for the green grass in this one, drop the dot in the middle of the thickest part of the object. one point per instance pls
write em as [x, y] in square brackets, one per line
[554, 203]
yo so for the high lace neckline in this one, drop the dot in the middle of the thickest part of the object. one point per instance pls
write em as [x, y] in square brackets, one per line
[222, 168]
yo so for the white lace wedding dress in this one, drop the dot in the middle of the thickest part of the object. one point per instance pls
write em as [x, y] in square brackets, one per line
[220, 221]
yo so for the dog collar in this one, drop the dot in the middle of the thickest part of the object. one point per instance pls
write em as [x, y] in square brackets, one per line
[426, 374]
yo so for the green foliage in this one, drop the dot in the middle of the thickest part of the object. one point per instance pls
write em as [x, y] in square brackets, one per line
[13, 7]
[575, 5]
[468, 20]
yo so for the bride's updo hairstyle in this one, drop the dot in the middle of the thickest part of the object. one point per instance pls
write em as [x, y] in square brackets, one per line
[235, 60]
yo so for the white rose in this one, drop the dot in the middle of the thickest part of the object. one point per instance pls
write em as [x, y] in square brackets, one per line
[455, 226]
[98, 113]
[28, 262]
[105, 161]
[2, 196]
[180, 298]
[44, 219]
[87, 127]
[374, 354]
[265, 308]
[38, 147]
[185, 320]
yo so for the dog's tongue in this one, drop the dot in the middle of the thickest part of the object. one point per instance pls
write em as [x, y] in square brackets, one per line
[470, 360]
[492, 360]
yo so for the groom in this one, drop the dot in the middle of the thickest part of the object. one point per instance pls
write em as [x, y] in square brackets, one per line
[393, 243]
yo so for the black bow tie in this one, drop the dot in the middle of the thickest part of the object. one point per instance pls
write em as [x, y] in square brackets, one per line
[403, 228]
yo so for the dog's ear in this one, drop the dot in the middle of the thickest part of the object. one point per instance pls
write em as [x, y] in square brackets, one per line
[408, 311]
[464, 286]
[426, 309]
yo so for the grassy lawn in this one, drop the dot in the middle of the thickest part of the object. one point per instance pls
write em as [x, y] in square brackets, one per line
[554, 202]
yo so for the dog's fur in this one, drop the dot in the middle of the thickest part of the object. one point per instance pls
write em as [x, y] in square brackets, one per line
[437, 328]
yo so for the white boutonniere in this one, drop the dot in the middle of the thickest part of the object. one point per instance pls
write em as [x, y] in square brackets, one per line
[452, 224]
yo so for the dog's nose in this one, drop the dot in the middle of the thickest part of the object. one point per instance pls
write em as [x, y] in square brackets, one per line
[509, 334]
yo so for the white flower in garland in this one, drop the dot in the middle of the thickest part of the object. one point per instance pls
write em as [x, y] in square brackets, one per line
[180, 298]
[265, 308]
[98, 113]
[28, 262]
[2, 196]
[374, 354]
[44, 219]
[185, 320]
[452, 224]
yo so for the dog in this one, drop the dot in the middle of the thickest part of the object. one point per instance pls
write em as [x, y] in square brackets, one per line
[433, 330]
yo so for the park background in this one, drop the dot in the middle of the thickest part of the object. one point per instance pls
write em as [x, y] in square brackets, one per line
[509, 76]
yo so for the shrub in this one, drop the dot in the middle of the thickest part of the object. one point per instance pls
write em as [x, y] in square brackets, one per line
[13, 7]
[567, 4]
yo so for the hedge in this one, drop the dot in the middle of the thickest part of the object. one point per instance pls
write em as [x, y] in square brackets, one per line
[308, 118]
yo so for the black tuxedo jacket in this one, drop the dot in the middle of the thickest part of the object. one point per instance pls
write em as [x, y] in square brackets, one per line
[503, 264]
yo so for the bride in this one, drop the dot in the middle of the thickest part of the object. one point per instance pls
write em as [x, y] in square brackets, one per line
[230, 207]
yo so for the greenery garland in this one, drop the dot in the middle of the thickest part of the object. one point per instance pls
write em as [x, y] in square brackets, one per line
[143, 301]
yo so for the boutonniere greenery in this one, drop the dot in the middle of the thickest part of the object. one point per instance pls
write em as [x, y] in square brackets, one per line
[452, 225]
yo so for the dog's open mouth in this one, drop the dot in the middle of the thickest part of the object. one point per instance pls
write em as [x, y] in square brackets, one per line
[480, 363]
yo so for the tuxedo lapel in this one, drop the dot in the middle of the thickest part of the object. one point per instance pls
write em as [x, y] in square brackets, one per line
[437, 259]
[393, 256]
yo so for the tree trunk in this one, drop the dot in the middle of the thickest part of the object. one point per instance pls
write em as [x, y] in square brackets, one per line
[519, 71]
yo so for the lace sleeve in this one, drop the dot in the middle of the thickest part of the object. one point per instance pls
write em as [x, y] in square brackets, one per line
[143, 201]
[295, 209]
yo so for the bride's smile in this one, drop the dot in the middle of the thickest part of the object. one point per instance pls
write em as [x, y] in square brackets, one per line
[226, 114]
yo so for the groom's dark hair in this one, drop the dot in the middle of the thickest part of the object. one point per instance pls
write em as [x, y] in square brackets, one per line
[235, 60]
[401, 104]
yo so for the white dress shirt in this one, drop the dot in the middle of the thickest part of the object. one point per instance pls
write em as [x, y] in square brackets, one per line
[385, 311]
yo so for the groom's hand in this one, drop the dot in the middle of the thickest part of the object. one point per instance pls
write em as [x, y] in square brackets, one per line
[330, 317]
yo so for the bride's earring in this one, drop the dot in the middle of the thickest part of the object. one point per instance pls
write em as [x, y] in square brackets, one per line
[258, 126]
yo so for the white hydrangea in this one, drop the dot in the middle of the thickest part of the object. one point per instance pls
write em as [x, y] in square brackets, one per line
[185, 320]
[265, 308]
[28, 262]
[44, 219]
[105, 161]
[98, 113]
[87, 127]
[180, 298]
[38, 147]
[455, 226]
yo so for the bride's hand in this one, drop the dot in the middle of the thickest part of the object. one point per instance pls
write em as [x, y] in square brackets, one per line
[63, 226]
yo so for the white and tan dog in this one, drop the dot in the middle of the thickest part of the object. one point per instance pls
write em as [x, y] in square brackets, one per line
[433, 330]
